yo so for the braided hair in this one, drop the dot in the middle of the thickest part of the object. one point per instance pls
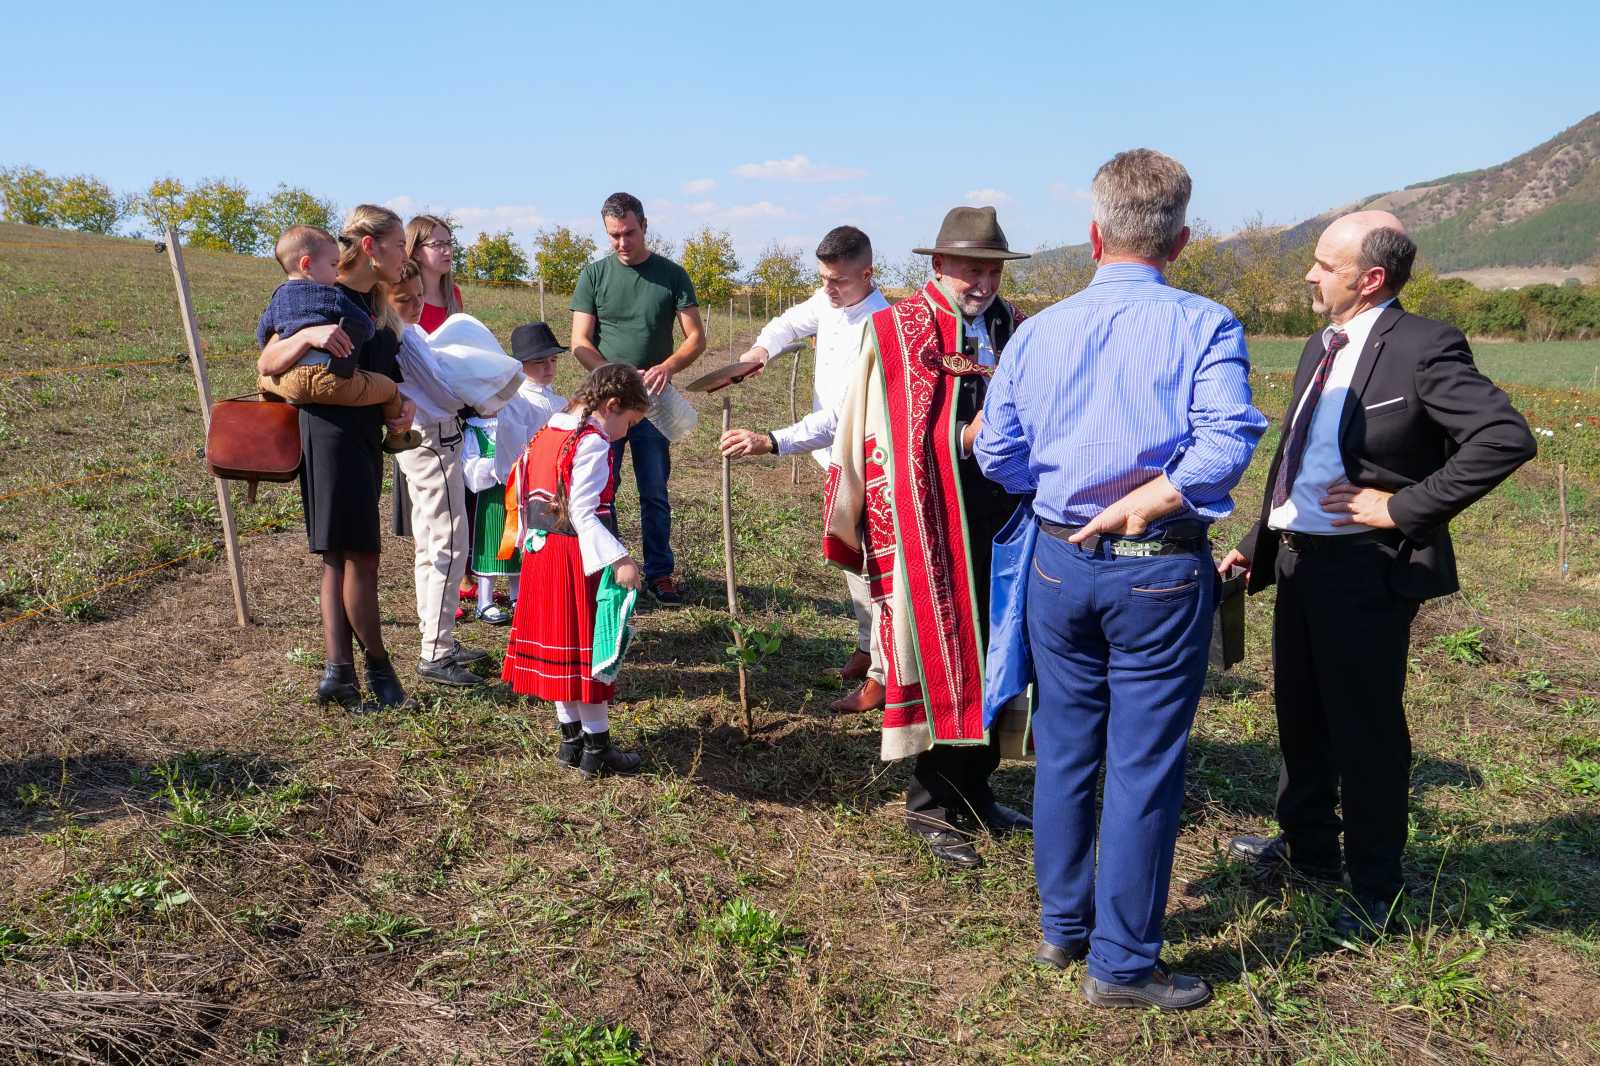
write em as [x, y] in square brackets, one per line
[609, 381]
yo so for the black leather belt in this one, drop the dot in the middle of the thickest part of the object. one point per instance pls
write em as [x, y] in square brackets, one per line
[1175, 541]
[1312, 543]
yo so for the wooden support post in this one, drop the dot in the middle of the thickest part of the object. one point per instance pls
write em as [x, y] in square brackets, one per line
[541, 298]
[202, 384]
[794, 415]
[731, 330]
[727, 565]
[1561, 549]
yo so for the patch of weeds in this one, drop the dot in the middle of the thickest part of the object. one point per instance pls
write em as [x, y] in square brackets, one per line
[1537, 681]
[305, 657]
[32, 794]
[1580, 707]
[1582, 617]
[374, 930]
[1464, 646]
[1436, 978]
[1581, 777]
[11, 938]
[265, 1045]
[759, 935]
[95, 908]
[566, 1043]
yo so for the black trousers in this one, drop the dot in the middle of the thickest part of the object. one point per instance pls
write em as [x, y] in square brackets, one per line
[1340, 641]
[948, 782]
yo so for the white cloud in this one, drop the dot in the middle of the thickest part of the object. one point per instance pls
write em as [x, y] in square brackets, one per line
[520, 218]
[796, 168]
[1060, 190]
[988, 197]
[760, 209]
[698, 186]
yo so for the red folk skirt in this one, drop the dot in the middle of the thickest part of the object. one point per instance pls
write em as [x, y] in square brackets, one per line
[551, 648]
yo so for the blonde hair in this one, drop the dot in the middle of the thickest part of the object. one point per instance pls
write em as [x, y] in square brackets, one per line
[296, 242]
[383, 309]
[364, 220]
[420, 229]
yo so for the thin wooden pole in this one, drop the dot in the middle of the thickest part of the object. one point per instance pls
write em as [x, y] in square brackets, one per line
[794, 415]
[727, 566]
[1561, 490]
[202, 384]
[731, 330]
[541, 299]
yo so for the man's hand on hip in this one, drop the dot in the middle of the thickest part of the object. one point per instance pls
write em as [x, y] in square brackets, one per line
[1132, 515]
[738, 443]
[657, 378]
[1358, 505]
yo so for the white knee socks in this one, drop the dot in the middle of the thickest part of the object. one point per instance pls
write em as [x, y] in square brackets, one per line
[594, 716]
[485, 593]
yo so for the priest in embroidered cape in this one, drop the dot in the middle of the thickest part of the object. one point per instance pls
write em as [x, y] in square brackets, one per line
[906, 504]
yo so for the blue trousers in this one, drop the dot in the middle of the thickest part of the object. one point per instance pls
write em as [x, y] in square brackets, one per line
[1119, 649]
[652, 466]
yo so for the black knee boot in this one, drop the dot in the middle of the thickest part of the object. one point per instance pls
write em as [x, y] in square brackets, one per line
[338, 685]
[600, 758]
[570, 753]
[385, 685]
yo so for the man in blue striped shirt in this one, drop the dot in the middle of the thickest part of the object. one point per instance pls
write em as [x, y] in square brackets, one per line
[1126, 409]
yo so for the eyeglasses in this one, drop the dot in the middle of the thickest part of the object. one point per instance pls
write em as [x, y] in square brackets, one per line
[436, 245]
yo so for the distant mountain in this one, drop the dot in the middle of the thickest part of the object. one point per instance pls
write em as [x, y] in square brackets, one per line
[1530, 217]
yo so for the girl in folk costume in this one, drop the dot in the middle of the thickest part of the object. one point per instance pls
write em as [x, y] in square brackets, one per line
[492, 447]
[559, 511]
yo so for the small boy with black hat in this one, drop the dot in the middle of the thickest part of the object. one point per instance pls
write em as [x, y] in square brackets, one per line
[492, 447]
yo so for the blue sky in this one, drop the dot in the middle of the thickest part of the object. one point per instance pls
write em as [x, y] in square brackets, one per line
[779, 124]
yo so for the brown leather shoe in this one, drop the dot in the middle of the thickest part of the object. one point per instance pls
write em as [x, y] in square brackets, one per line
[869, 697]
[856, 669]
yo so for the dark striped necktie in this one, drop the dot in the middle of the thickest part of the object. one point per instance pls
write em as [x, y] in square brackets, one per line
[1300, 429]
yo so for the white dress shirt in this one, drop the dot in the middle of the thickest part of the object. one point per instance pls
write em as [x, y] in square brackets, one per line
[1322, 464]
[839, 332]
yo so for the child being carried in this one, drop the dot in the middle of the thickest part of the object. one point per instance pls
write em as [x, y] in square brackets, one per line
[312, 297]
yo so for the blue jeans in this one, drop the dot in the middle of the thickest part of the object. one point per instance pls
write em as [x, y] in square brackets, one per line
[652, 466]
[1119, 648]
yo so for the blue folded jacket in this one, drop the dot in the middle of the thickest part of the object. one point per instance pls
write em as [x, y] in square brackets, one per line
[1009, 665]
[299, 303]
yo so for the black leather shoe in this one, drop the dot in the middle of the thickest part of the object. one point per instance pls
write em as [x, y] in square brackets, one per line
[999, 819]
[948, 845]
[570, 753]
[465, 656]
[600, 758]
[385, 685]
[1362, 918]
[338, 685]
[1054, 955]
[447, 671]
[1271, 855]
[1163, 990]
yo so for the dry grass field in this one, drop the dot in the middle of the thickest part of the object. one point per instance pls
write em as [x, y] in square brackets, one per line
[197, 864]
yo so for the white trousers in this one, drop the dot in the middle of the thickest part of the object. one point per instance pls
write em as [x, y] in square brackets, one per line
[439, 531]
[866, 622]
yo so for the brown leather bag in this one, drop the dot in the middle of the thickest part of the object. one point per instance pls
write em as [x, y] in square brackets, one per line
[254, 438]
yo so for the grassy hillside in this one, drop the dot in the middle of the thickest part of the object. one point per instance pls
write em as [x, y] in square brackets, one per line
[198, 864]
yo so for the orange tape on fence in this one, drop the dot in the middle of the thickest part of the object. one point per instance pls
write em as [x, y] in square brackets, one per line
[53, 485]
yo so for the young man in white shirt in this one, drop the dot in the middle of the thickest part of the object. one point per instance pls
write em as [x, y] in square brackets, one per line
[836, 315]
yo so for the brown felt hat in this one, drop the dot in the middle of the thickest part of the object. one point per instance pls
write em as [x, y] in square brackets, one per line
[973, 232]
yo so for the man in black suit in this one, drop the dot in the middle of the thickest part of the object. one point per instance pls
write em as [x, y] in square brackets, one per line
[1390, 434]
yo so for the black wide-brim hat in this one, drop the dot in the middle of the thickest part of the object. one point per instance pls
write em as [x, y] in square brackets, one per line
[534, 340]
[973, 232]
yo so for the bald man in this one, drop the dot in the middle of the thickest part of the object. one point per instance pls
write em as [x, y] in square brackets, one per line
[1390, 434]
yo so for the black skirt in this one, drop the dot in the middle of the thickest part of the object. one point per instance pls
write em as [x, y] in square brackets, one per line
[341, 476]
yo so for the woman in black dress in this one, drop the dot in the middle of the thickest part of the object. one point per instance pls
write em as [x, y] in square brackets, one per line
[341, 476]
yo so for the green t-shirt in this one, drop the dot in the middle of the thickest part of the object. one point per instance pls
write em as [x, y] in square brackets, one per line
[634, 307]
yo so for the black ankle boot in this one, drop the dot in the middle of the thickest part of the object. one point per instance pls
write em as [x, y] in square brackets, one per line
[338, 685]
[600, 758]
[570, 754]
[385, 685]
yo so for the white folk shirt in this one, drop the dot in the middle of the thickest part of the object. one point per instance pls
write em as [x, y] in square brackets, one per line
[591, 469]
[839, 332]
[423, 385]
[1322, 465]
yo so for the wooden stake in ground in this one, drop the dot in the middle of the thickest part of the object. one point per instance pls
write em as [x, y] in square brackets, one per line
[541, 299]
[197, 360]
[727, 567]
[730, 326]
[1561, 549]
[794, 416]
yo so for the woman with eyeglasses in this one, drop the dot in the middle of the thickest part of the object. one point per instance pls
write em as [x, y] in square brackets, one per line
[430, 244]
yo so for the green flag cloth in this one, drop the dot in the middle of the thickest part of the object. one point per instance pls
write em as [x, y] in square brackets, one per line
[613, 631]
